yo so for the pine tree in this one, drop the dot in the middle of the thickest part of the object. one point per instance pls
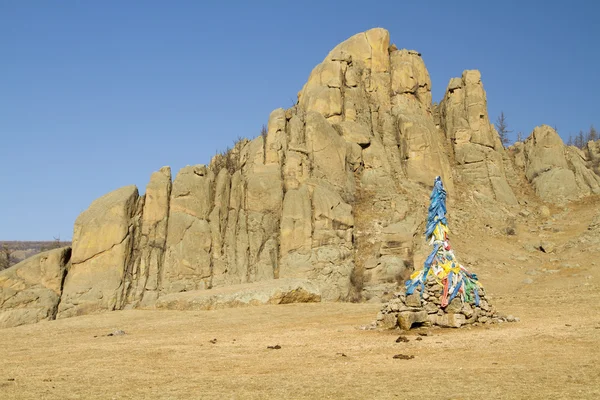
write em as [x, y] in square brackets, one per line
[502, 129]
[263, 133]
[592, 134]
[580, 140]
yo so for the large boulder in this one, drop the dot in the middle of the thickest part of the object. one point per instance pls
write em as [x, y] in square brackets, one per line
[102, 251]
[30, 291]
[557, 172]
[279, 291]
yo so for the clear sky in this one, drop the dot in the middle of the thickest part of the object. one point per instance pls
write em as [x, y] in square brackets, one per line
[95, 95]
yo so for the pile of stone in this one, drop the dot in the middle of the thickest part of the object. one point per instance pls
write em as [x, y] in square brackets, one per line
[444, 292]
[413, 310]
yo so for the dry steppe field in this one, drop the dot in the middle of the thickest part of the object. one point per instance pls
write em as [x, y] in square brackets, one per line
[552, 353]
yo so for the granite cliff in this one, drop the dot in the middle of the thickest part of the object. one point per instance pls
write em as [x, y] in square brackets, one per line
[327, 206]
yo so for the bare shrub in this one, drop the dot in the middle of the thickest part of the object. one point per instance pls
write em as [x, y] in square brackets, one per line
[5, 257]
[357, 282]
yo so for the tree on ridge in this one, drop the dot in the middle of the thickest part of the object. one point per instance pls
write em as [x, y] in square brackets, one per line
[502, 129]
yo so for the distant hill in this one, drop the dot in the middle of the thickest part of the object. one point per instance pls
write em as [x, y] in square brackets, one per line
[20, 250]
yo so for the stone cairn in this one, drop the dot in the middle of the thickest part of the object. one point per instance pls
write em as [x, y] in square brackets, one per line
[444, 292]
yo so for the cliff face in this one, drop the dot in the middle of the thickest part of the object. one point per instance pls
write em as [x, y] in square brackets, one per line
[477, 148]
[557, 172]
[334, 193]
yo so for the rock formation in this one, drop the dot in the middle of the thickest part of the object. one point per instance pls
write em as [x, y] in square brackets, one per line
[477, 148]
[557, 172]
[444, 292]
[274, 291]
[103, 242]
[31, 290]
[331, 194]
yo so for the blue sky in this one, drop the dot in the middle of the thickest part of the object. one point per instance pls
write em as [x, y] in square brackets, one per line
[96, 95]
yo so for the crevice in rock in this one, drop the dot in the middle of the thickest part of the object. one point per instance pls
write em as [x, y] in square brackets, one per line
[185, 194]
[342, 90]
[65, 264]
[473, 162]
[161, 259]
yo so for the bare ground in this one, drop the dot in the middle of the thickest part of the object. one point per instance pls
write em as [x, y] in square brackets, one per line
[552, 353]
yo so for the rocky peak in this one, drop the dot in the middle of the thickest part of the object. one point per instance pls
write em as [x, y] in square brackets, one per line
[478, 152]
[557, 172]
[409, 76]
[379, 98]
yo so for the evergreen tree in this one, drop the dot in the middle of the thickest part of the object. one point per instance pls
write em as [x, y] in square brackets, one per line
[580, 140]
[502, 129]
[592, 134]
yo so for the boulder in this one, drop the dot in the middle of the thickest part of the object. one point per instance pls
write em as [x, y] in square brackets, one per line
[277, 291]
[30, 291]
[558, 173]
[413, 300]
[102, 251]
[448, 320]
[455, 306]
[407, 319]
[388, 321]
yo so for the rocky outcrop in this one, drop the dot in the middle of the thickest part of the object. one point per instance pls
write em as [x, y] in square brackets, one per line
[379, 97]
[187, 263]
[150, 252]
[593, 150]
[103, 242]
[275, 291]
[379, 100]
[557, 172]
[421, 146]
[592, 153]
[331, 193]
[30, 291]
[478, 151]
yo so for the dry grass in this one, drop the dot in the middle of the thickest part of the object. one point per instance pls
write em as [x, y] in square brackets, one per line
[552, 353]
